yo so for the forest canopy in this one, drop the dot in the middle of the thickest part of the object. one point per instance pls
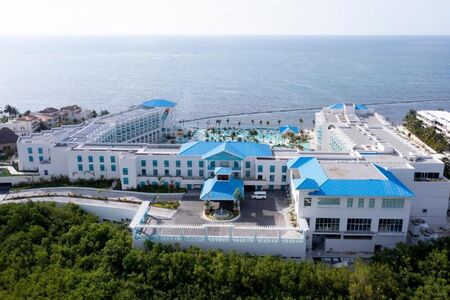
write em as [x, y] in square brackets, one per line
[61, 252]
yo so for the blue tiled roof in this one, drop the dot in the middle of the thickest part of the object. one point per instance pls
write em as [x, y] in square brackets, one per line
[159, 103]
[285, 128]
[360, 107]
[337, 106]
[314, 178]
[222, 171]
[237, 149]
[220, 190]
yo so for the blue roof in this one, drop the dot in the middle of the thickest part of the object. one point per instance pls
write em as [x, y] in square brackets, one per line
[337, 106]
[360, 107]
[225, 150]
[222, 171]
[159, 103]
[221, 190]
[314, 178]
[286, 128]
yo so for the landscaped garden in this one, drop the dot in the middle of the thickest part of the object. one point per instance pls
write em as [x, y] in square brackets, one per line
[65, 181]
[167, 204]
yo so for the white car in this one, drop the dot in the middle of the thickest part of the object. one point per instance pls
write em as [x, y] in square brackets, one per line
[259, 195]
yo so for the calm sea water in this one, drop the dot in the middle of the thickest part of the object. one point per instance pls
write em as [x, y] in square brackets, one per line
[220, 75]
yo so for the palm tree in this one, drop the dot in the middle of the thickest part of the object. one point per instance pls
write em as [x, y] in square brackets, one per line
[253, 123]
[11, 110]
[260, 122]
[239, 124]
[279, 122]
[300, 121]
[228, 121]
[268, 122]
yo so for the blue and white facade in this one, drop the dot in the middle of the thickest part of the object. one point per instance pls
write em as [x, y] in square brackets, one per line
[349, 206]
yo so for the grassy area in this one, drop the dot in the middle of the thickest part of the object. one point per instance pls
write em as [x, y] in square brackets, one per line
[64, 181]
[155, 189]
[4, 172]
[167, 204]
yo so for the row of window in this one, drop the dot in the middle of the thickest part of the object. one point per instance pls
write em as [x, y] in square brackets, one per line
[271, 168]
[101, 159]
[385, 203]
[91, 168]
[359, 225]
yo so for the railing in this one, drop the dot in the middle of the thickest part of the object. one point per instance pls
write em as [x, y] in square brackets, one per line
[220, 239]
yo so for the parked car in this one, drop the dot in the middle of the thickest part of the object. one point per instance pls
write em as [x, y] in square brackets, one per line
[259, 195]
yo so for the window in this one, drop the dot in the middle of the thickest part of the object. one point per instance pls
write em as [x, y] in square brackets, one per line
[79, 158]
[371, 203]
[91, 167]
[144, 172]
[201, 173]
[283, 178]
[390, 225]
[143, 163]
[349, 202]
[211, 174]
[213, 164]
[189, 173]
[177, 163]
[125, 171]
[102, 168]
[260, 168]
[247, 174]
[393, 203]
[361, 202]
[284, 169]
[40, 150]
[30, 158]
[41, 158]
[46, 172]
[358, 224]
[425, 176]
[272, 169]
[272, 178]
[247, 164]
[90, 158]
[113, 168]
[236, 164]
[424, 211]
[113, 159]
[327, 224]
[80, 167]
[166, 172]
[125, 180]
[142, 183]
[307, 202]
[166, 163]
[178, 172]
[200, 164]
[101, 158]
[329, 201]
[189, 163]
[155, 163]
[30, 150]
[155, 172]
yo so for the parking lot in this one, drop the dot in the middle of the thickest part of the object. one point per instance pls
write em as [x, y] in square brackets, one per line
[264, 212]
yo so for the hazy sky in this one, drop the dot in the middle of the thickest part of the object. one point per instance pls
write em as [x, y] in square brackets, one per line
[210, 17]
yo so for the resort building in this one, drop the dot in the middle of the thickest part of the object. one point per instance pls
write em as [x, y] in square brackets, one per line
[350, 206]
[439, 119]
[23, 126]
[367, 135]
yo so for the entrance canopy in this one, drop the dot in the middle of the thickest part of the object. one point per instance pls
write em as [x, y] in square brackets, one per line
[222, 190]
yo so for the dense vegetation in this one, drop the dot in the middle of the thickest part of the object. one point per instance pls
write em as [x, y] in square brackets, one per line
[428, 135]
[64, 253]
[65, 181]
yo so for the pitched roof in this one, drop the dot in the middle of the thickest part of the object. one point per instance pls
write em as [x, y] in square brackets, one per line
[221, 190]
[158, 103]
[236, 149]
[70, 107]
[314, 178]
[7, 136]
[49, 110]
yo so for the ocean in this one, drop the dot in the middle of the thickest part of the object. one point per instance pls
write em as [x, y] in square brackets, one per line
[211, 76]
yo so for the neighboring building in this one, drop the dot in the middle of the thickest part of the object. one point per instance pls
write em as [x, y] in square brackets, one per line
[8, 140]
[355, 129]
[350, 206]
[439, 119]
[50, 116]
[23, 126]
[74, 113]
